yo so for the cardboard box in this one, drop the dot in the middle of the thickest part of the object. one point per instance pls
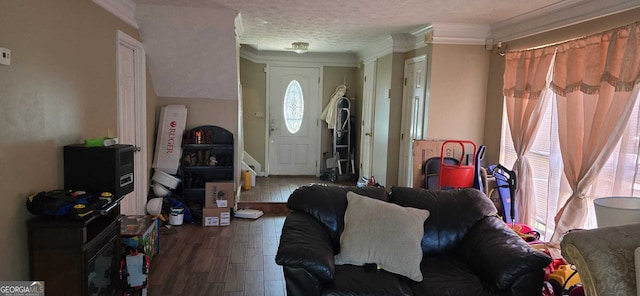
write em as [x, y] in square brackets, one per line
[171, 126]
[219, 195]
[425, 149]
[216, 217]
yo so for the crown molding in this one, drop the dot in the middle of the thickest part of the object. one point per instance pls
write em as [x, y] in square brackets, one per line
[376, 50]
[454, 33]
[238, 24]
[402, 42]
[558, 15]
[309, 59]
[422, 35]
[123, 9]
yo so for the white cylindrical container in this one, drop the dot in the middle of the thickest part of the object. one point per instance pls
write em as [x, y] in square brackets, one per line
[617, 210]
[176, 216]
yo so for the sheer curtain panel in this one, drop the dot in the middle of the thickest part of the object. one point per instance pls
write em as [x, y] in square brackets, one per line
[525, 81]
[593, 80]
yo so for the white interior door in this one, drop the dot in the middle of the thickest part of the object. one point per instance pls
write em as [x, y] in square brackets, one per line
[293, 121]
[368, 103]
[132, 117]
[413, 113]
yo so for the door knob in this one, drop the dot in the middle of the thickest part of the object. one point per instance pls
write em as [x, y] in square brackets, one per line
[367, 134]
[136, 149]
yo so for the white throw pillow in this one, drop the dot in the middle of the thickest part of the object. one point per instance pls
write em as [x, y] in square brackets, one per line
[382, 233]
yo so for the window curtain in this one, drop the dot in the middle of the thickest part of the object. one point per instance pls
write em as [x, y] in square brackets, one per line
[525, 84]
[593, 80]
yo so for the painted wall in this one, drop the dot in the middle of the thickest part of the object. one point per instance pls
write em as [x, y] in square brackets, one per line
[254, 92]
[332, 77]
[495, 99]
[59, 89]
[387, 114]
[222, 113]
[458, 92]
[357, 110]
[190, 50]
[254, 82]
[395, 116]
[381, 119]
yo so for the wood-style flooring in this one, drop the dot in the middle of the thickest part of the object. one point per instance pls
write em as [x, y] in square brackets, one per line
[276, 189]
[238, 259]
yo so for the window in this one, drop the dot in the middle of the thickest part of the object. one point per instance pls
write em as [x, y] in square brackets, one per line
[293, 107]
[619, 176]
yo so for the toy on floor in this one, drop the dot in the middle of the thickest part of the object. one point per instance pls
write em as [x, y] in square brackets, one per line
[133, 271]
[564, 280]
[525, 232]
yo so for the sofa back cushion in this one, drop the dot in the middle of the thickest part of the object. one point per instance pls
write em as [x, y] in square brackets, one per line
[328, 204]
[453, 213]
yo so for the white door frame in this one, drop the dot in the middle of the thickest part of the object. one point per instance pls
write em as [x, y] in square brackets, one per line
[141, 183]
[268, 115]
[368, 111]
[412, 119]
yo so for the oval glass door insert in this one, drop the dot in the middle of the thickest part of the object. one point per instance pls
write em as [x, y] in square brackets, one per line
[293, 107]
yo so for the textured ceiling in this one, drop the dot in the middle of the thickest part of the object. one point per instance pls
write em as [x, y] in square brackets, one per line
[349, 26]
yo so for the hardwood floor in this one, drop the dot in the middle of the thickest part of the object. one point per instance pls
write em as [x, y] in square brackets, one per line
[238, 259]
[276, 189]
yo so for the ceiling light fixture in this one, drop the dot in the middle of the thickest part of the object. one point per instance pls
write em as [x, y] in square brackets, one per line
[300, 47]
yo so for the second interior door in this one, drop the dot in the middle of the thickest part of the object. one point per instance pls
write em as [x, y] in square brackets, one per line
[293, 120]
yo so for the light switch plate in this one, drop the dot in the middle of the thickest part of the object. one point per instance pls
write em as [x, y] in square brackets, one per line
[5, 56]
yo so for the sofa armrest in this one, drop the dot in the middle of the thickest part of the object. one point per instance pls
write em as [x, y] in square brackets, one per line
[501, 257]
[604, 258]
[305, 244]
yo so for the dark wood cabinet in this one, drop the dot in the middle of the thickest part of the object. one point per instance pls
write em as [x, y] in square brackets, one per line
[76, 257]
[207, 156]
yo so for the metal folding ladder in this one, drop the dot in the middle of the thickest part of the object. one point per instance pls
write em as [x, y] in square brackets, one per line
[342, 149]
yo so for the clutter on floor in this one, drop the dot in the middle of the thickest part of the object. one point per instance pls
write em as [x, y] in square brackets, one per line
[248, 213]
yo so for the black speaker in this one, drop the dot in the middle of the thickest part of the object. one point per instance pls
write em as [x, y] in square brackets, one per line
[99, 169]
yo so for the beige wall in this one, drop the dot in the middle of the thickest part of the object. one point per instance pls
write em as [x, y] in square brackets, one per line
[494, 93]
[59, 89]
[395, 116]
[254, 88]
[222, 113]
[253, 80]
[332, 77]
[387, 114]
[458, 92]
[381, 119]
[357, 109]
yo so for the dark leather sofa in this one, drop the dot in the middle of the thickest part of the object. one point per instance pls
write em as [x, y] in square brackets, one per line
[467, 250]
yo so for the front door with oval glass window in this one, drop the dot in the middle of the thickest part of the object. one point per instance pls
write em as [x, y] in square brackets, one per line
[293, 120]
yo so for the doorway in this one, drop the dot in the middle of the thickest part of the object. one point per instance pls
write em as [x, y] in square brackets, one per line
[293, 121]
[132, 116]
[413, 115]
[368, 103]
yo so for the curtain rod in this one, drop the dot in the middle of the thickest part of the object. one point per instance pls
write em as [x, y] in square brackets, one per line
[573, 39]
